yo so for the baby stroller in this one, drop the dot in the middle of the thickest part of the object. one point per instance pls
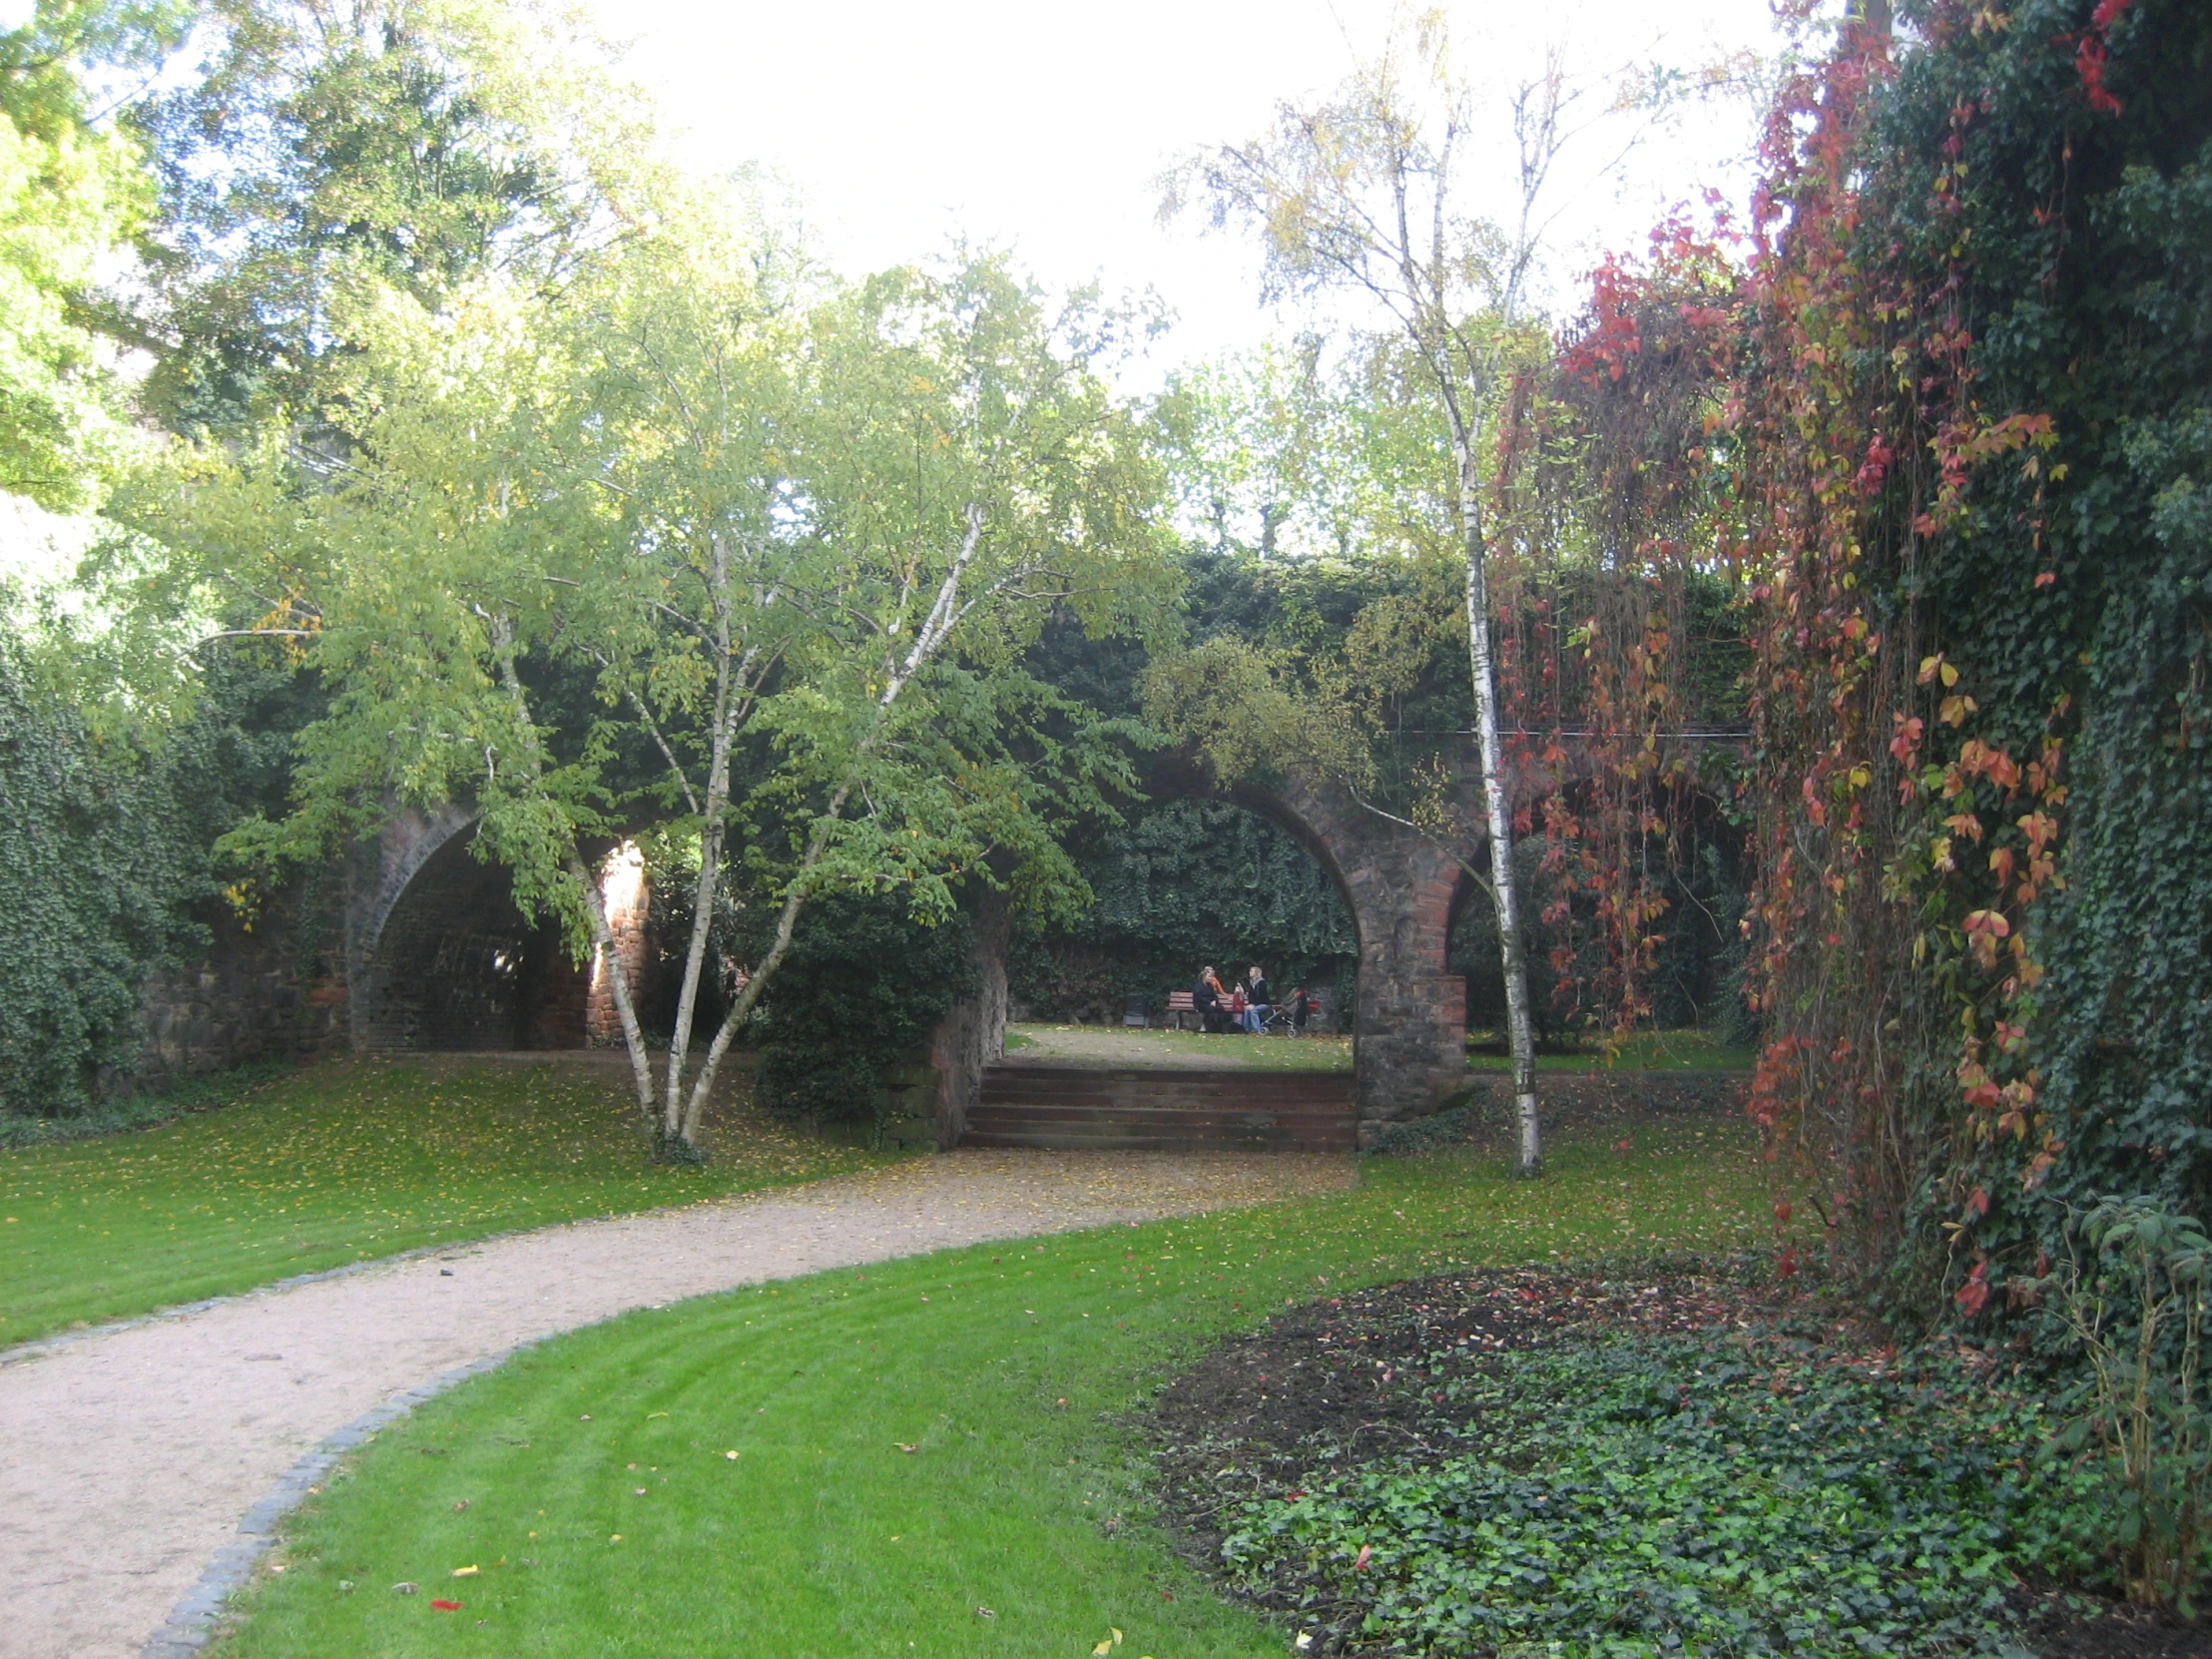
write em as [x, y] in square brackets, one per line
[1288, 1017]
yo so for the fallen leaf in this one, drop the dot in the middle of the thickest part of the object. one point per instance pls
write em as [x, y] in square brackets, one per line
[459, 1507]
[615, 1538]
[345, 1583]
[637, 1492]
[465, 1572]
[730, 1454]
[904, 1445]
[446, 1606]
[406, 1589]
[985, 1613]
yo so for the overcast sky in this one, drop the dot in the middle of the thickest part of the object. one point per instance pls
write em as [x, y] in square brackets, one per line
[1044, 127]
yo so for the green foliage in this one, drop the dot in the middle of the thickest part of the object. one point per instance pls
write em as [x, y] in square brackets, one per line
[1178, 885]
[864, 981]
[2071, 594]
[322, 144]
[2134, 1312]
[107, 847]
[72, 191]
[1653, 1495]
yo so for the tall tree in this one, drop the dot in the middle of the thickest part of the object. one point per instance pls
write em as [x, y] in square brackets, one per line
[1362, 193]
[834, 526]
[320, 142]
[72, 192]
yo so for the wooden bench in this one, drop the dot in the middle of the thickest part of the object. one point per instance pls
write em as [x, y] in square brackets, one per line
[1179, 1004]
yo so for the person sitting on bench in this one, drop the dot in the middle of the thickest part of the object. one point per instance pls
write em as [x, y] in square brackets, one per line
[1255, 1000]
[1209, 999]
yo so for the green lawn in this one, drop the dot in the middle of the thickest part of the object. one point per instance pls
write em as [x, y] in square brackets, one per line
[915, 1442]
[1640, 1051]
[337, 1164]
[1108, 1045]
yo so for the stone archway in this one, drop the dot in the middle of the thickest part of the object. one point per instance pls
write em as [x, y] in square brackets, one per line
[1409, 1026]
[439, 956]
[445, 961]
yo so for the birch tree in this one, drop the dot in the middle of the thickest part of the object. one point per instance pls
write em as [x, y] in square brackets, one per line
[1365, 192]
[816, 524]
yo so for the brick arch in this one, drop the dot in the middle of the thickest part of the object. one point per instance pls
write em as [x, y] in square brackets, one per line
[1409, 1026]
[447, 962]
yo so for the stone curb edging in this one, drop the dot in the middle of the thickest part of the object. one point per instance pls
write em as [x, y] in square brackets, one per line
[190, 1623]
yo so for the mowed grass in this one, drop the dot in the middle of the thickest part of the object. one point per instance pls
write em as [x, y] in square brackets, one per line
[1107, 1045]
[338, 1163]
[1684, 1051]
[916, 1442]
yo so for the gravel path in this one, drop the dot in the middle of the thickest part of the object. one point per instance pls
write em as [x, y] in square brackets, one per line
[128, 1456]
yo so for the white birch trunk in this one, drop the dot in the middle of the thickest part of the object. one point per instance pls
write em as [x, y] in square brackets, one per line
[1519, 1026]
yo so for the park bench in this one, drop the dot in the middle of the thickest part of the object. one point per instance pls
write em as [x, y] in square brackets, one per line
[1179, 1004]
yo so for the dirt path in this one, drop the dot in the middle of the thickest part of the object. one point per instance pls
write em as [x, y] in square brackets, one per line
[129, 1456]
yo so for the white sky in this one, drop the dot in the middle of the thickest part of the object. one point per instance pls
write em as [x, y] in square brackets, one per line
[1043, 127]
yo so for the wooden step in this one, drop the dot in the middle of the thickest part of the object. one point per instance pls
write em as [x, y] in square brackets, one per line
[1162, 1109]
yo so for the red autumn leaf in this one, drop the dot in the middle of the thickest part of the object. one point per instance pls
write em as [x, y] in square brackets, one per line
[446, 1606]
[1973, 1294]
[1978, 1204]
[1361, 1565]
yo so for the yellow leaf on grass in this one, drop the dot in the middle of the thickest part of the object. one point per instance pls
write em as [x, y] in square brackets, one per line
[465, 1572]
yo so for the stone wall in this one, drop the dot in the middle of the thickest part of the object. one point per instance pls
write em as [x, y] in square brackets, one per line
[276, 989]
[974, 1031]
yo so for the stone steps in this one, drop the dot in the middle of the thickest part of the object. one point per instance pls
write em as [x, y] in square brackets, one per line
[1162, 1109]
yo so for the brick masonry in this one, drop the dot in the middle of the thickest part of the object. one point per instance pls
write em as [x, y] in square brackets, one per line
[274, 986]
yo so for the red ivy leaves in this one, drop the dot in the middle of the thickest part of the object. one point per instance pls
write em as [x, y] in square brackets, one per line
[2090, 55]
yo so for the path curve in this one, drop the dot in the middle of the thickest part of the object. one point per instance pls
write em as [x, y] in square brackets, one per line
[129, 1456]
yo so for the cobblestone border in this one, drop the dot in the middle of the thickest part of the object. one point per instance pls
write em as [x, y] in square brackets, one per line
[191, 1624]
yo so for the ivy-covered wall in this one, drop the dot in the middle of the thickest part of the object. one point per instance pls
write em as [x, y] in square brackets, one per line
[1182, 885]
[2073, 148]
[121, 960]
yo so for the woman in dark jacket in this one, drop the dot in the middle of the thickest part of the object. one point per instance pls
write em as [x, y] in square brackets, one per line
[1209, 999]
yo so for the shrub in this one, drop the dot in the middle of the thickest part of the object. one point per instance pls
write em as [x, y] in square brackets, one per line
[2135, 1311]
[862, 983]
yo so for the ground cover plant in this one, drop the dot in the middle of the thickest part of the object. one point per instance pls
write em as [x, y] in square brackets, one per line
[1656, 1460]
[339, 1164]
[930, 1455]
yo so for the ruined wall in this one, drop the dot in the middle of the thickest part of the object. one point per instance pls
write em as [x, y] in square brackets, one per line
[974, 1031]
[275, 988]
[456, 966]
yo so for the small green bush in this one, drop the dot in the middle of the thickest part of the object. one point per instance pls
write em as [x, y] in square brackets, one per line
[2134, 1310]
